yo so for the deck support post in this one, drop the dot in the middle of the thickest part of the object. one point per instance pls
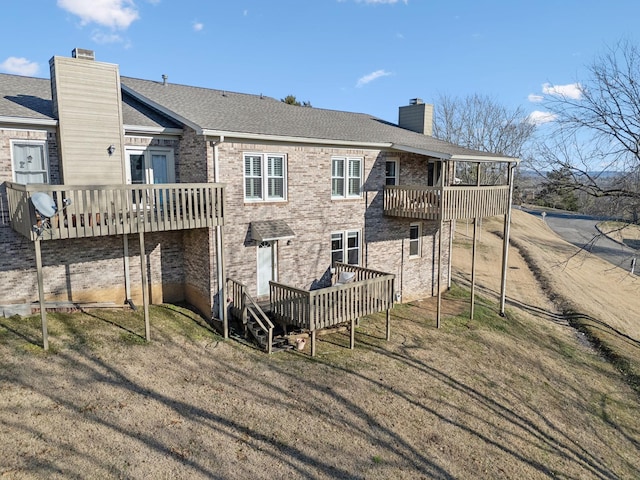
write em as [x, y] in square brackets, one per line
[388, 324]
[127, 277]
[145, 287]
[473, 267]
[505, 244]
[43, 309]
[352, 334]
[313, 343]
[439, 305]
[222, 284]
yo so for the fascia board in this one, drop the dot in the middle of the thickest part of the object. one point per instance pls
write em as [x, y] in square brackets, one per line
[291, 139]
[28, 121]
[422, 151]
[488, 158]
[128, 129]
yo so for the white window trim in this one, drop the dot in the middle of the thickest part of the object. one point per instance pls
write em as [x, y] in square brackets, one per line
[264, 170]
[30, 142]
[345, 177]
[148, 152]
[396, 178]
[345, 245]
[418, 240]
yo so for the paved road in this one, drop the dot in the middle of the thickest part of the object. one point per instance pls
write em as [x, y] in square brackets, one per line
[580, 230]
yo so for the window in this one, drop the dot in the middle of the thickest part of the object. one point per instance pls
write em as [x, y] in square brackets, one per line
[346, 177]
[415, 235]
[30, 163]
[264, 177]
[391, 172]
[434, 170]
[345, 247]
[150, 165]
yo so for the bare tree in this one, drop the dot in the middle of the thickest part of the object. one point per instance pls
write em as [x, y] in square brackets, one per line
[481, 123]
[596, 133]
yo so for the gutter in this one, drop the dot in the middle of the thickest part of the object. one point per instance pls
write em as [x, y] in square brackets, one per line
[29, 121]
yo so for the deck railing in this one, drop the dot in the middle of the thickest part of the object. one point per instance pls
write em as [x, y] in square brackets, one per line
[243, 307]
[367, 293]
[99, 210]
[454, 202]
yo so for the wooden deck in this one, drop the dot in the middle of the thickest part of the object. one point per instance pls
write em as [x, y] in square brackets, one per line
[369, 292]
[446, 203]
[100, 210]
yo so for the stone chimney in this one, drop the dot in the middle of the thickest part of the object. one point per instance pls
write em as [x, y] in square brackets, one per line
[417, 117]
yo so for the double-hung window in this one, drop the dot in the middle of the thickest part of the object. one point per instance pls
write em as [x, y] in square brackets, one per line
[391, 172]
[345, 247]
[415, 234]
[346, 177]
[264, 177]
[30, 163]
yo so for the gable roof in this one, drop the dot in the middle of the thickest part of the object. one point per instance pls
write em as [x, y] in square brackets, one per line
[219, 112]
[28, 100]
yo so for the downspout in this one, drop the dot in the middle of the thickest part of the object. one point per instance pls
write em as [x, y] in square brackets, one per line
[505, 245]
[222, 303]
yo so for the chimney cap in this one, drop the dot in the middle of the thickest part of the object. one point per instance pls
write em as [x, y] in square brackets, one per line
[416, 101]
[83, 53]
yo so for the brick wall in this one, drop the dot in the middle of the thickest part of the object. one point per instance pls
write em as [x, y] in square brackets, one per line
[313, 216]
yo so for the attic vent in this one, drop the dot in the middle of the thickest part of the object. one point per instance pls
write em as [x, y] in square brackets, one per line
[83, 54]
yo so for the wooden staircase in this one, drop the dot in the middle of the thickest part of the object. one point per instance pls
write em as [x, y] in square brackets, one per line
[254, 319]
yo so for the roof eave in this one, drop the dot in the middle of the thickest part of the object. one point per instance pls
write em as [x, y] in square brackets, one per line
[292, 139]
[484, 158]
[47, 122]
[132, 129]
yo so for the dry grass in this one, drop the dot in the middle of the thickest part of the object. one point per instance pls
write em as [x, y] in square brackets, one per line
[515, 397]
[625, 233]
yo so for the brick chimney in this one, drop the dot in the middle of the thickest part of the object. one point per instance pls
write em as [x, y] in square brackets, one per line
[417, 117]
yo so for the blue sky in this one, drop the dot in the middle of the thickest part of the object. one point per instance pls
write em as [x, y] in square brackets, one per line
[366, 56]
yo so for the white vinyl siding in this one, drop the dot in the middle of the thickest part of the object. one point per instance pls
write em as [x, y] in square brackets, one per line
[346, 177]
[30, 164]
[265, 177]
[345, 247]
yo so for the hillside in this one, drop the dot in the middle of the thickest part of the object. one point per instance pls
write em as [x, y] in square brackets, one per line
[518, 397]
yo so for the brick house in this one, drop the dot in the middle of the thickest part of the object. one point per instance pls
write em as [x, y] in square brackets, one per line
[236, 186]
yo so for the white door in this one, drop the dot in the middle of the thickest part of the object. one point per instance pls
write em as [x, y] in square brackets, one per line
[266, 266]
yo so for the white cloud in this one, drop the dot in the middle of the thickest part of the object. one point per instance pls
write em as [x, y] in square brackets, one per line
[371, 77]
[19, 66]
[535, 98]
[109, 13]
[572, 91]
[102, 38]
[198, 26]
[538, 118]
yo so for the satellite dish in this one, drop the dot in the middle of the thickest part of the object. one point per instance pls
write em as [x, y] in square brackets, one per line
[44, 204]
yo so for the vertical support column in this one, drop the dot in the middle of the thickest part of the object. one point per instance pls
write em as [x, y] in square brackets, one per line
[451, 228]
[352, 334]
[222, 283]
[439, 307]
[127, 277]
[505, 244]
[313, 343]
[388, 324]
[145, 287]
[473, 267]
[43, 309]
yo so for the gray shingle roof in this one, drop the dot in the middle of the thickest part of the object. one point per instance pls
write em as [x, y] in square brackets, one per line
[29, 98]
[25, 97]
[219, 110]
